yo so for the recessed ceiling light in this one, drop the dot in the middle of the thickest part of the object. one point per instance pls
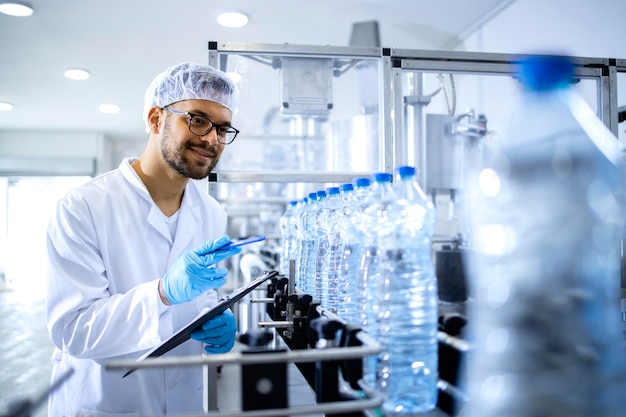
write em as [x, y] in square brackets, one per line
[6, 106]
[76, 74]
[16, 8]
[232, 19]
[109, 108]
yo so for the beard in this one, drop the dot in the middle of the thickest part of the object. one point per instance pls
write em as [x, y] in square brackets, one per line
[174, 155]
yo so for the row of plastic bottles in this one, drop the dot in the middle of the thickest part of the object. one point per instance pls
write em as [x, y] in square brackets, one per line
[364, 251]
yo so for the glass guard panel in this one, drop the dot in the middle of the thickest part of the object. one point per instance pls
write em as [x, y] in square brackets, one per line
[448, 118]
[306, 114]
[255, 207]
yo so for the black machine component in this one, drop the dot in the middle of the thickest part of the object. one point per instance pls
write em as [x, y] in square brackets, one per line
[277, 289]
[265, 383]
[309, 330]
[453, 294]
[270, 292]
[327, 372]
[304, 325]
[281, 299]
[301, 304]
[451, 280]
[351, 369]
[451, 362]
[302, 307]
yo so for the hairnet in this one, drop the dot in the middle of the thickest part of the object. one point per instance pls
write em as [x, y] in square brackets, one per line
[187, 81]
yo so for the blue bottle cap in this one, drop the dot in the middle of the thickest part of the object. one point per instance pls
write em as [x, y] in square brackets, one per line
[347, 187]
[321, 194]
[293, 203]
[312, 196]
[546, 72]
[383, 177]
[405, 171]
[362, 182]
[333, 190]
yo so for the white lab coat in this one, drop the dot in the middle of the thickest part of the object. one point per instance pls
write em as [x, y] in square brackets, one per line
[108, 245]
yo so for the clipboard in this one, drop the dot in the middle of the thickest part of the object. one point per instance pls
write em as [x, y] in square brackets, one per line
[208, 313]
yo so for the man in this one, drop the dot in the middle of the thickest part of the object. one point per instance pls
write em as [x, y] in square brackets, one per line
[129, 256]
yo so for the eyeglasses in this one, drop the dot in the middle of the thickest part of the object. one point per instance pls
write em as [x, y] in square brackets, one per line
[201, 126]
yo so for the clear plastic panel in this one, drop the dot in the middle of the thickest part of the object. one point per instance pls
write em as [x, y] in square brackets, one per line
[254, 208]
[306, 114]
[451, 107]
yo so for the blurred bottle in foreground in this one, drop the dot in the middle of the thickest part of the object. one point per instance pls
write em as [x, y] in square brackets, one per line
[546, 224]
[407, 366]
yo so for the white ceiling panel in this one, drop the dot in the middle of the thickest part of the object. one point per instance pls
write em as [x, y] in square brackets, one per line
[125, 43]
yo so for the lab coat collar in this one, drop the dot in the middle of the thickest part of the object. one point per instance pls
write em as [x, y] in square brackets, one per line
[133, 179]
[189, 221]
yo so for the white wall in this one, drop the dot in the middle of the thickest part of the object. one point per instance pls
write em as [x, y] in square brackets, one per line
[590, 28]
[50, 144]
[61, 153]
[584, 28]
[51, 153]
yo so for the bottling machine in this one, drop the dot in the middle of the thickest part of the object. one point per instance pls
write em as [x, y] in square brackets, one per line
[315, 116]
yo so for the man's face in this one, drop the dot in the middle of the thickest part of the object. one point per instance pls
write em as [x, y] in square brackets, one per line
[190, 155]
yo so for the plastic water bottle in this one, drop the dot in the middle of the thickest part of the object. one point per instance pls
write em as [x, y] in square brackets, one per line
[299, 238]
[545, 230]
[310, 251]
[313, 257]
[346, 192]
[330, 249]
[286, 237]
[407, 366]
[297, 235]
[352, 240]
[307, 241]
[370, 218]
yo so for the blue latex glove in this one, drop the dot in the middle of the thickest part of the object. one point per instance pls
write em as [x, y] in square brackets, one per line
[190, 275]
[218, 334]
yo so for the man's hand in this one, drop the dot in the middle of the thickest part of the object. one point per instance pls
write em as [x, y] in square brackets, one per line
[191, 274]
[218, 334]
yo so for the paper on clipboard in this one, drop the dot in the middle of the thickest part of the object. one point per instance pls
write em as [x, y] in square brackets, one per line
[206, 314]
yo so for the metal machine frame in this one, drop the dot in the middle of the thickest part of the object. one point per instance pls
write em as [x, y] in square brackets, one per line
[218, 49]
[394, 62]
[603, 70]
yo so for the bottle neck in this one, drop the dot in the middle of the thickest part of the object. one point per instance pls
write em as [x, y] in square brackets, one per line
[381, 188]
[361, 193]
[407, 188]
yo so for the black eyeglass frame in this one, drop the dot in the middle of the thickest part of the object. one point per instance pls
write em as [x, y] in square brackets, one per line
[220, 139]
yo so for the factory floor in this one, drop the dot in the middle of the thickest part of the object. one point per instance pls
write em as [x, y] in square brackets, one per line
[25, 349]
